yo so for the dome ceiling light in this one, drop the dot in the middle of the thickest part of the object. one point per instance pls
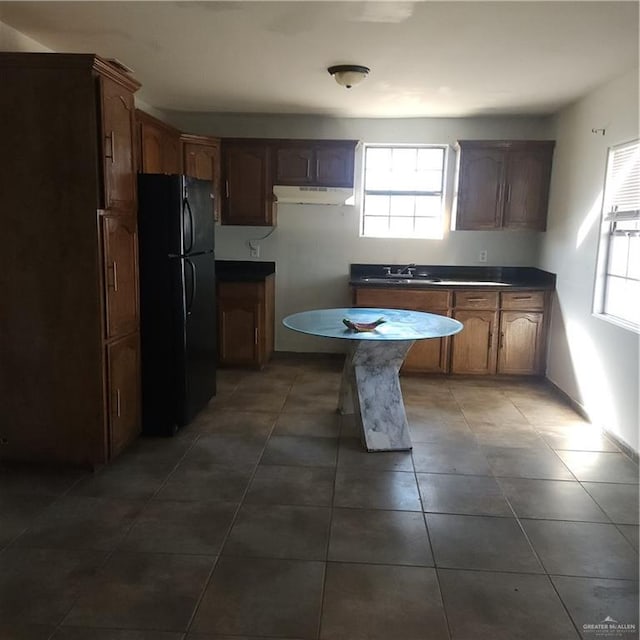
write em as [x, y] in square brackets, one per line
[348, 75]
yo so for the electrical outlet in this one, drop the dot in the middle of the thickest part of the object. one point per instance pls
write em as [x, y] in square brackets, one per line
[254, 250]
[482, 257]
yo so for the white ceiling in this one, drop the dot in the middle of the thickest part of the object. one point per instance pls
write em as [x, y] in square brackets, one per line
[426, 58]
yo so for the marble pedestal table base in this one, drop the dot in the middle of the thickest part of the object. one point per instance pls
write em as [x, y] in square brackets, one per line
[371, 389]
[370, 384]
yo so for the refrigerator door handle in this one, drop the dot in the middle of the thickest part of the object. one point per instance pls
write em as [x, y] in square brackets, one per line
[193, 285]
[187, 206]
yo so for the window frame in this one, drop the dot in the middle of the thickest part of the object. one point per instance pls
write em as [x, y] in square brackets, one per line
[610, 217]
[441, 193]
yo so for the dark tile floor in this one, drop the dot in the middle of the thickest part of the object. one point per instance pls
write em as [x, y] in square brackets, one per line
[511, 519]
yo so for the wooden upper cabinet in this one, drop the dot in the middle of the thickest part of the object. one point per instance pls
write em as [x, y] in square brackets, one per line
[320, 163]
[201, 159]
[294, 165]
[503, 184]
[335, 164]
[117, 145]
[479, 186]
[159, 146]
[247, 183]
[528, 175]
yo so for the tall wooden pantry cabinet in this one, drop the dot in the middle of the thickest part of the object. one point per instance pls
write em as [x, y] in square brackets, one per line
[69, 319]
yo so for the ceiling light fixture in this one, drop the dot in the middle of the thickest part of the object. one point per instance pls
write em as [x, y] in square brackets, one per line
[348, 75]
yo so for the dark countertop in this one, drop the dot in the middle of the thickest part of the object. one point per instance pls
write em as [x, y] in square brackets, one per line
[487, 277]
[243, 270]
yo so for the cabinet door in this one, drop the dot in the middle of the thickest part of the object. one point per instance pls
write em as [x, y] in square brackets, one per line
[171, 162]
[151, 148]
[123, 363]
[239, 332]
[474, 348]
[334, 166]
[480, 189]
[425, 356]
[520, 349]
[199, 160]
[248, 190]
[118, 151]
[203, 161]
[527, 188]
[120, 255]
[429, 356]
[294, 165]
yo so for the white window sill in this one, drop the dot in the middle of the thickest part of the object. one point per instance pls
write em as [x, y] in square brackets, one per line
[619, 322]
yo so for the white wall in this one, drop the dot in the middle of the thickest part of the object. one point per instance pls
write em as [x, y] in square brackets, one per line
[12, 40]
[314, 245]
[593, 361]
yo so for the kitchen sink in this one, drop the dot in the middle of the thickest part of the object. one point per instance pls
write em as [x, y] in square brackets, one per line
[430, 282]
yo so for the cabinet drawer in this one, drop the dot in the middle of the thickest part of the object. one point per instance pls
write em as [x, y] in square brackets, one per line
[474, 299]
[243, 291]
[530, 300]
[406, 299]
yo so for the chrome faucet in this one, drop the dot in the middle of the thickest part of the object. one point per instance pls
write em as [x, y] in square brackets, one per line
[408, 270]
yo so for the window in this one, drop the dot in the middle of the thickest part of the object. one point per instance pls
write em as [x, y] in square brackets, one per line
[618, 290]
[403, 192]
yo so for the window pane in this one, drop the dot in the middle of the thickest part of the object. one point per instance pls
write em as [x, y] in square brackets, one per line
[395, 170]
[378, 159]
[403, 160]
[377, 169]
[428, 206]
[618, 253]
[401, 227]
[430, 159]
[621, 299]
[402, 205]
[376, 227]
[634, 258]
[376, 205]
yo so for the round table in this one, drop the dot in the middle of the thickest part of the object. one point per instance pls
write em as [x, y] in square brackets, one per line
[370, 383]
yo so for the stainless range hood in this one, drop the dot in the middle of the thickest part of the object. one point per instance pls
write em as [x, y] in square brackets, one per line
[313, 195]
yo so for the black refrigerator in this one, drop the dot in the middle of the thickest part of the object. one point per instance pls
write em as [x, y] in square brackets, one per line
[177, 300]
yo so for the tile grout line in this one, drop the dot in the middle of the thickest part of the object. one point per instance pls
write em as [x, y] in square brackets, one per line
[331, 510]
[431, 550]
[110, 553]
[234, 519]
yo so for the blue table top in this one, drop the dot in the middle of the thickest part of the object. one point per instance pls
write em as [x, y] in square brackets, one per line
[399, 324]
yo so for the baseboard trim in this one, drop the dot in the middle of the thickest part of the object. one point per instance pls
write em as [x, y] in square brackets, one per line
[578, 408]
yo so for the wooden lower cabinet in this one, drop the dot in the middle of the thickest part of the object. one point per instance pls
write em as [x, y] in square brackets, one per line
[428, 356]
[425, 356]
[246, 322]
[474, 348]
[123, 362]
[520, 347]
[239, 327]
[503, 333]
